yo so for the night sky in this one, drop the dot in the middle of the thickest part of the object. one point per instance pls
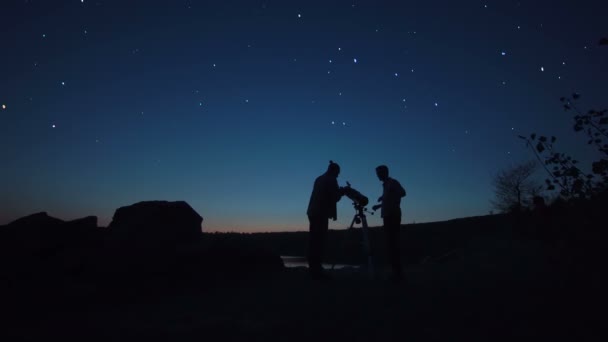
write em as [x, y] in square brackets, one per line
[237, 106]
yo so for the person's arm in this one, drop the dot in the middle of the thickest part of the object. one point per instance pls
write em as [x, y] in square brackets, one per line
[337, 192]
[401, 190]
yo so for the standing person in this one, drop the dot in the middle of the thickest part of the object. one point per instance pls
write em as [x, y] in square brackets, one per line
[321, 207]
[392, 191]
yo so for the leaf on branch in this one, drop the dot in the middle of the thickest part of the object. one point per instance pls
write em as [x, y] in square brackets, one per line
[562, 99]
[603, 121]
[566, 107]
[542, 139]
[553, 139]
[575, 96]
[533, 136]
[540, 147]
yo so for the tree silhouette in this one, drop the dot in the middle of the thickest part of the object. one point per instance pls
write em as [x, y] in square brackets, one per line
[514, 187]
[561, 168]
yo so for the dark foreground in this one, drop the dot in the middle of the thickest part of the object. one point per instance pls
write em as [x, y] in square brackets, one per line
[496, 287]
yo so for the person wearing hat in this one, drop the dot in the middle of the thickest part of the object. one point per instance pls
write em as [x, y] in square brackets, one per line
[322, 206]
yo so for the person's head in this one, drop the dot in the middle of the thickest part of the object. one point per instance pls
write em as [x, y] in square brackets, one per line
[382, 172]
[333, 169]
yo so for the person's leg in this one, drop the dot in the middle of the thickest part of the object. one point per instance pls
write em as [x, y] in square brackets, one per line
[393, 233]
[318, 232]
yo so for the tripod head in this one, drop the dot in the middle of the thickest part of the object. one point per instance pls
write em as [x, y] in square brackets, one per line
[359, 200]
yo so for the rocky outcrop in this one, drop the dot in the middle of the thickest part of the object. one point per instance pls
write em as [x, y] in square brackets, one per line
[157, 221]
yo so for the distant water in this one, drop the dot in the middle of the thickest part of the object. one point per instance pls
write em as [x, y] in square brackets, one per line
[300, 261]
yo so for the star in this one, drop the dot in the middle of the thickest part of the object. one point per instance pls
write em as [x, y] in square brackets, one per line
[53, 125]
[62, 83]
[43, 35]
[396, 75]
[503, 53]
[412, 70]
[299, 15]
[436, 104]
[3, 106]
[542, 68]
[214, 65]
[333, 122]
[355, 60]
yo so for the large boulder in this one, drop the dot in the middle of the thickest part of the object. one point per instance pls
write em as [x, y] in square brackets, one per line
[39, 242]
[39, 220]
[158, 221]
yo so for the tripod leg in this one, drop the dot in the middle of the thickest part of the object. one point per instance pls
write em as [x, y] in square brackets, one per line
[352, 224]
[367, 246]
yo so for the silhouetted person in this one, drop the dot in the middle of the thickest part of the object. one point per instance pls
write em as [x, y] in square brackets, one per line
[392, 191]
[322, 206]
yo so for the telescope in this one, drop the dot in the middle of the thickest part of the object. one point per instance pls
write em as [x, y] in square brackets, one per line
[359, 200]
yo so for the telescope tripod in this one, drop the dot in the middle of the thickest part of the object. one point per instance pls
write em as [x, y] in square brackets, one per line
[361, 218]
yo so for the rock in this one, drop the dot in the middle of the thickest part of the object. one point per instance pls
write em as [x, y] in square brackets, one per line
[41, 243]
[158, 221]
[39, 220]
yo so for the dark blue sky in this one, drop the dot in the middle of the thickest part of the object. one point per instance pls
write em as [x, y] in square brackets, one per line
[237, 106]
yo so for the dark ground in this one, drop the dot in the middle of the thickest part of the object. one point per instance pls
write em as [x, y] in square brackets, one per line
[486, 286]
